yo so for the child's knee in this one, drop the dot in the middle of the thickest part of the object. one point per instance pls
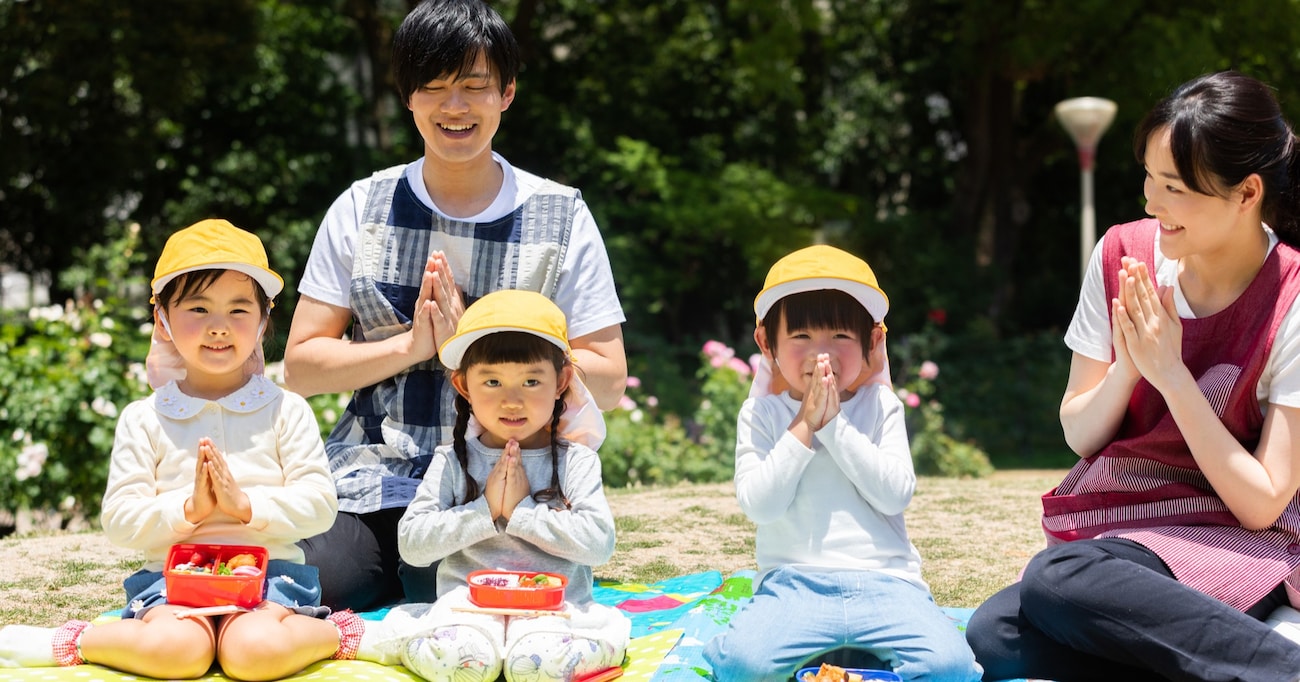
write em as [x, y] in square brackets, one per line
[460, 652]
[559, 656]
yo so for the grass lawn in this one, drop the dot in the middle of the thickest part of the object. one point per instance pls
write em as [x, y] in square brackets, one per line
[974, 536]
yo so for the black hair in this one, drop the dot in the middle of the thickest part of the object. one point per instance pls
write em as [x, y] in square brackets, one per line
[442, 38]
[520, 347]
[196, 282]
[1223, 127]
[820, 309]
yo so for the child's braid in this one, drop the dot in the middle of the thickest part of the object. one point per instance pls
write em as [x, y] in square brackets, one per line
[462, 451]
[548, 494]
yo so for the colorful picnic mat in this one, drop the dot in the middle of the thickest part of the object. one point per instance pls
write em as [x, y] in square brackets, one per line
[672, 620]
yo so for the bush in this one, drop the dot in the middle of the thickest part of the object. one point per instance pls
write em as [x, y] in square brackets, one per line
[66, 375]
[938, 449]
[646, 446]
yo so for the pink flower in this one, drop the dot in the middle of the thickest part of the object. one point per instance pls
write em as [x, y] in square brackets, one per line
[928, 371]
[633, 382]
[741, 367]
[714, 348]
[912, 400]
[652, 401]
[626, 403]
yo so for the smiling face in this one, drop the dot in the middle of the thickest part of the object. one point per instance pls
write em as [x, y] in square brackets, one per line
[513, 399]
[459, 113]
[215, 331]
[794, 353]
[1191, 223]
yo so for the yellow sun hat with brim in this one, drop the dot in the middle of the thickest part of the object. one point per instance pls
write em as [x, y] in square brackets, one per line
[507, 310]
[822, 267]
[215, 244]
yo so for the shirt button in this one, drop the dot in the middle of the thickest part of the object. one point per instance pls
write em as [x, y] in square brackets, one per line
[1293, 548]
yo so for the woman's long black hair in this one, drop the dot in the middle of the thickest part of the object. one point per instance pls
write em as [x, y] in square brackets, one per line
[502, 347]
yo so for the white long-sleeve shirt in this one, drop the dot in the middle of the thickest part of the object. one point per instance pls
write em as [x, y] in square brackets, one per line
[272, 445]
[837, 506]
[440, 525]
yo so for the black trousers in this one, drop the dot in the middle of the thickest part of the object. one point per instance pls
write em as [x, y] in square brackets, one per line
[360, 568]
[1110, 609]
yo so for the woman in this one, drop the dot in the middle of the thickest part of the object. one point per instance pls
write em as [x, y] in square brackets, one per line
[1178, 532]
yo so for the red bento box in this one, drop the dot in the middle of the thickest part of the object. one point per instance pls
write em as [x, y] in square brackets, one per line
[201, 585]
[516, 590]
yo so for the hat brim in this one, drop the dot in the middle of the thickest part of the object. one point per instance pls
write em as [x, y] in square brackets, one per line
[453, 351]
[269, 281]
[871, 298]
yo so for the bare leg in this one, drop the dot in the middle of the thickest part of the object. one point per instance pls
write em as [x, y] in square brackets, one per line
[158, 645]
[273, 642]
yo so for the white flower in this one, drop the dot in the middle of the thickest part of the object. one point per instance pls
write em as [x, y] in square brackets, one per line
[104, 407]
[68, 503]
[636, 416]
[34, 454]
[137, 372]
[31, 460]
[108, 323]
[329, 415]
[101, 339]
[19, 434]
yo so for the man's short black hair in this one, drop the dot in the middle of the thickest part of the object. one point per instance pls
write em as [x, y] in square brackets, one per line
[442, 38]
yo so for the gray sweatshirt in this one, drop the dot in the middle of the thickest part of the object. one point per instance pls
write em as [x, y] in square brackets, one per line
[540, 537]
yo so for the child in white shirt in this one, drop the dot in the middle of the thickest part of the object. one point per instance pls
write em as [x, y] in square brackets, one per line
[218, 454]
[824, 469]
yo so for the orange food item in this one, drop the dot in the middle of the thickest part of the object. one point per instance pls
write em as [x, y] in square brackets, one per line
[241, 560]
[831, 673]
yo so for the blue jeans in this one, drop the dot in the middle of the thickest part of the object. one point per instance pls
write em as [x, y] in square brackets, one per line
[796, 618]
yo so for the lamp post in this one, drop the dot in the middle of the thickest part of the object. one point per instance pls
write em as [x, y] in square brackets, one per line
[1086, 119]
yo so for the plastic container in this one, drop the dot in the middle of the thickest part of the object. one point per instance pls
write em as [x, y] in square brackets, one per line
[206, 589]
[867, 675]
[522, 592]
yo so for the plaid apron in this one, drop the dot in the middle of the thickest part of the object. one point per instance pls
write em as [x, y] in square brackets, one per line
[383, 442]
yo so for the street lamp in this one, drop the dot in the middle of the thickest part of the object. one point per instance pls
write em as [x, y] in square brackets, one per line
[1086, 119]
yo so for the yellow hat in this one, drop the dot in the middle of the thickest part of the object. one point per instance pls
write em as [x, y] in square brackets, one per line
[822, 267]
[215, 244]
[507, 310]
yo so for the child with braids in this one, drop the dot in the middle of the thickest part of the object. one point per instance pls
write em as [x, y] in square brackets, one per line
[519, 489]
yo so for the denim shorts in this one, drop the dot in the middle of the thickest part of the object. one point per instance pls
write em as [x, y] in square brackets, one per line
[295, 586]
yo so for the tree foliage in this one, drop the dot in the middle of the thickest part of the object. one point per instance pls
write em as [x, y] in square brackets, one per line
[708, 137]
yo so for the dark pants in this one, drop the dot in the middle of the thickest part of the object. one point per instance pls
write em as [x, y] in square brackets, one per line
[1111, 610]
[360, 568]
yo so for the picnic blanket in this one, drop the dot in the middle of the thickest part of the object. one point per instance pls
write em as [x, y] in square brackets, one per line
[672, 620]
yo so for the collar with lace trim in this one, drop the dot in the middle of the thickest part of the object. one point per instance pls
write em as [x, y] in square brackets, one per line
[169, 401]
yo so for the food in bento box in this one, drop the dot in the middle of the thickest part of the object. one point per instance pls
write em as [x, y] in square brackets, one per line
[830, 673]
[240, 564]
[516, 589]
[204, 575]
[514, 580]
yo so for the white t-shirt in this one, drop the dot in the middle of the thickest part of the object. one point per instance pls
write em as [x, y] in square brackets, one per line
[585, 289]
[1090, 336]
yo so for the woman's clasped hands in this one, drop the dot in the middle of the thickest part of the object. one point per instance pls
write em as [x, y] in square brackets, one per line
[1147, 333]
